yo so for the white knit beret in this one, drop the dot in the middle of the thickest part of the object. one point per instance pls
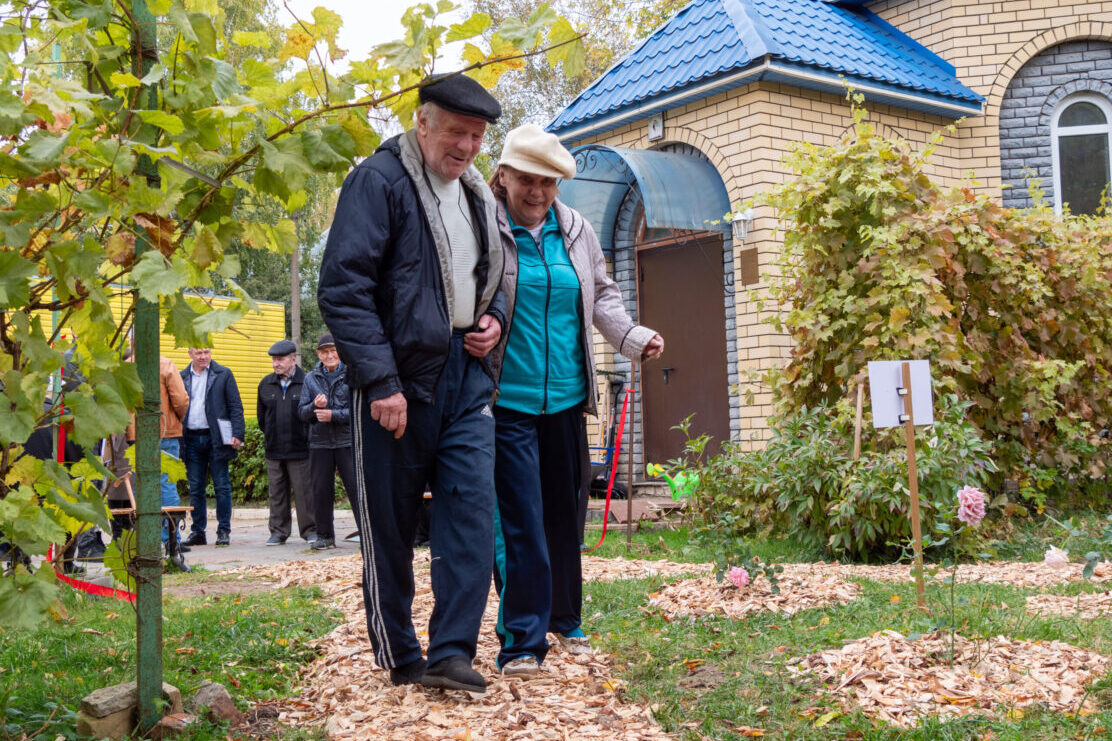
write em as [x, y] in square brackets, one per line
[531, 149]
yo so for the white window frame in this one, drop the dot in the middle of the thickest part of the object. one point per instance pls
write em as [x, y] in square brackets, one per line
[1106, 128]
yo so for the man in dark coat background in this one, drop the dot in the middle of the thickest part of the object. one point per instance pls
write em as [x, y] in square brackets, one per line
[287, 445]
[214, 432]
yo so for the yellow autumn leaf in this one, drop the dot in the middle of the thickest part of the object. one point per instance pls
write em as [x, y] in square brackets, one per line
[298, 44]
[898, 318]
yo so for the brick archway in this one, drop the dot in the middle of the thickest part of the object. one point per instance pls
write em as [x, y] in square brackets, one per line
[1027, 52]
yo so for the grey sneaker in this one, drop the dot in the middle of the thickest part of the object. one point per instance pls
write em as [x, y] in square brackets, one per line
[576, 645]
[522, 666]
[321, 544]
[276, 540]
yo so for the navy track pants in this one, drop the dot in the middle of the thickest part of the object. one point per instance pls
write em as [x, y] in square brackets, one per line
[538, 571]
[448, 444]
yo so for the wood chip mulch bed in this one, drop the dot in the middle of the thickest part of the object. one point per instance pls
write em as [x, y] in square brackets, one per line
[900, 680]
[706, 596]
[1081, 606]
[1012, 573]
[614, 569]
[575, 697]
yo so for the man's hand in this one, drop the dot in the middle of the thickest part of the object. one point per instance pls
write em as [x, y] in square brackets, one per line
[482, 342]
[654, 348]
[390, 413]
[321, 401]
[237, 443]
[323, 415]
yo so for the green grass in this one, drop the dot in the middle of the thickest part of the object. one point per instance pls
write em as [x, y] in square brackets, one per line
[658, 540]
[252, 644]
[745, 682]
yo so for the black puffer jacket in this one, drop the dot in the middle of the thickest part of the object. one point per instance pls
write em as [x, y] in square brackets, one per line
[382, 291]
[286, 435]
[337, 433]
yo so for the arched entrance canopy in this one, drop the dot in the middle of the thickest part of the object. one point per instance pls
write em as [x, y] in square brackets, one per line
[679, 191]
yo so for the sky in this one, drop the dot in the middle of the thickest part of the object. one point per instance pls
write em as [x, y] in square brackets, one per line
[367, 23]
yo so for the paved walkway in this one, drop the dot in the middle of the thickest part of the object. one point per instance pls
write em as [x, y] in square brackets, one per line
[249, 536]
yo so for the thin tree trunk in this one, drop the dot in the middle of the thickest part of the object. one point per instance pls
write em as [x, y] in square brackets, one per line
[295, 298]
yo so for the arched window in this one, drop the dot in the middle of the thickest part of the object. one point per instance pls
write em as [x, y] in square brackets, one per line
[1081, 131]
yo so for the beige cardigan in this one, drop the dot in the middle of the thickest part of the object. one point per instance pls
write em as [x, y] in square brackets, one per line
[600, 296]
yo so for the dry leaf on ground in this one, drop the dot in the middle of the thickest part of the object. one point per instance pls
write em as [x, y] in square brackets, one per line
[901, 680]
[1012, 573]
[706, 596]
[1082, 606]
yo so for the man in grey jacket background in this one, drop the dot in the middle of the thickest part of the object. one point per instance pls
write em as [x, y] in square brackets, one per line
[326, 405]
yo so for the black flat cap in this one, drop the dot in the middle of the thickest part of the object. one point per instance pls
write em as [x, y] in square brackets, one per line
[326, 341]
[282, 347]
[460, 94]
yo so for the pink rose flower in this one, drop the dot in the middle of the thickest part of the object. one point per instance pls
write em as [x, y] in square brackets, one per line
[1056, 558]
[739, 576]
[971, 505]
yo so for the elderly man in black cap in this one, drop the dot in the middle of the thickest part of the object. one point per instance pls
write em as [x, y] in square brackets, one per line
[409, 287]
[326, 406]
[287, 445]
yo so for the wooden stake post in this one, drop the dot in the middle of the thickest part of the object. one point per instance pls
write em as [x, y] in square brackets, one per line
[890, 389]
[913, 484]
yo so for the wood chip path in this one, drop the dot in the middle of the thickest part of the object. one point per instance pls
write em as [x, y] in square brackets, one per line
[575, 697]
[893, 678]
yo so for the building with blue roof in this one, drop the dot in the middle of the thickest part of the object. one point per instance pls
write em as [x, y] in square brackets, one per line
[700, 114]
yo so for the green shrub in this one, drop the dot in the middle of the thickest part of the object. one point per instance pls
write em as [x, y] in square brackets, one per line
[732, 498]
[806, 483]
[248, 469]
[861, 508]
[1012, 307]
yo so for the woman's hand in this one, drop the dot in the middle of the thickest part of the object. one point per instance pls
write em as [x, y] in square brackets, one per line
[654, 348]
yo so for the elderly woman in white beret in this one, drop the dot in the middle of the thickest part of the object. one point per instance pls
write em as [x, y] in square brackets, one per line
[556, 289]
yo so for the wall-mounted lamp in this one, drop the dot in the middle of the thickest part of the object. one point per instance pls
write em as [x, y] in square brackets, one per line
[740, 224]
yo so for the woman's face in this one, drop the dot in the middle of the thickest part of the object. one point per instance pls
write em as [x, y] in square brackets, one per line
[528, 196]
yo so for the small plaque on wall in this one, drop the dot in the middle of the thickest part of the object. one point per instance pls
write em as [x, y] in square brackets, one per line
[750, 266]
[656, 127]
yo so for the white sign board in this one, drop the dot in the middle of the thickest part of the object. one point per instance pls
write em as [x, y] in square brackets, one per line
[885, 382]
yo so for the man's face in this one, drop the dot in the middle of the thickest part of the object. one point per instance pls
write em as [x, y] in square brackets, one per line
[201, 357]
[449, 141]
[329, 357]
[283, 364]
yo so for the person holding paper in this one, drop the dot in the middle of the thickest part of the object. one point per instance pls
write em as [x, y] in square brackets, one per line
[214, 432]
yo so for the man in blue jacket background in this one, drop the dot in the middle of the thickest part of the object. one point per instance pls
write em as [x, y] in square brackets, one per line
[213, 431]
[409, 288]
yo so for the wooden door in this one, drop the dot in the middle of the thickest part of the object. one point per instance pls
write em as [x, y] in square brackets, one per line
[681, 295]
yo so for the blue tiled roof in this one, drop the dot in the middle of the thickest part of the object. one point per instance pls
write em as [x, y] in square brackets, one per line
[706, 47]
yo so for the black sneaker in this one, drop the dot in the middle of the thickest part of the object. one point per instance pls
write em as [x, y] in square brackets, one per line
[222, 540]
[276, 540]
[410, 673]
[195, 538]
[454, 673]
[321, 544]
